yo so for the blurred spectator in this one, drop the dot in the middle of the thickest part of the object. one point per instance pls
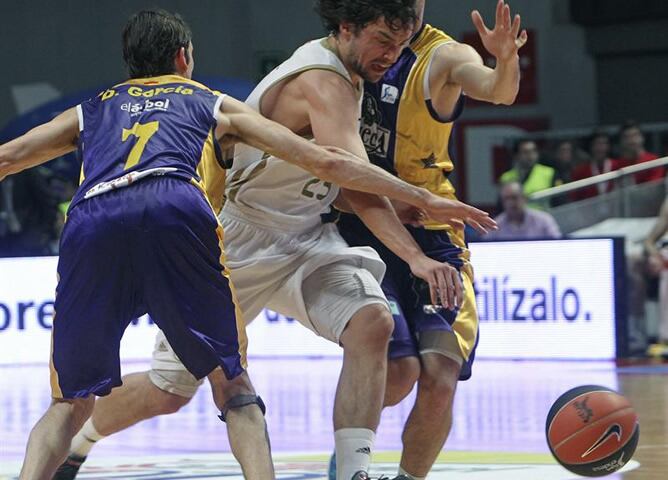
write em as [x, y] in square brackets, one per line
[657, 265]
[526, 170]
[598, 148]
[563, 160]
[31, 204]
[30, 220]
[664, 145]
[9, 222]
[632, 152]
[518, 222]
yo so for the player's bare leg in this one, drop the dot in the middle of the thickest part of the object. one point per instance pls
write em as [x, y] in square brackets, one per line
[402, 373]
[136, 400]
[51, 437]
[430, 420]
[246, 427]
[361, 388]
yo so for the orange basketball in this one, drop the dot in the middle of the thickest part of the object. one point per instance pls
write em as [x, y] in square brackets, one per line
[592, 431]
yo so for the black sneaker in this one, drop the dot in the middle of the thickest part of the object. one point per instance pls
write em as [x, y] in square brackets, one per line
[360, 475]
[70, 467]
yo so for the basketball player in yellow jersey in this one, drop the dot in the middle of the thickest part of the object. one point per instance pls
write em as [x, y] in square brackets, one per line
[407, 119]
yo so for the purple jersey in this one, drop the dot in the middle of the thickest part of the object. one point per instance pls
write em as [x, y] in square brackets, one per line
[162, 125]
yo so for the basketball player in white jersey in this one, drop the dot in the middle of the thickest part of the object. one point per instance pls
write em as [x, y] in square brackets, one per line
[280, 254]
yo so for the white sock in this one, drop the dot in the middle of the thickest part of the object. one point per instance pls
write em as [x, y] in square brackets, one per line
[353, 451]
[83, 442]
[412, 477]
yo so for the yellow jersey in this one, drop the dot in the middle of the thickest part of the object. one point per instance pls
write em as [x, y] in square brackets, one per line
[401, 130]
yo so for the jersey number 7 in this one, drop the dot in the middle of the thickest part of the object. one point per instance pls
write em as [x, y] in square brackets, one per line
[143, 132]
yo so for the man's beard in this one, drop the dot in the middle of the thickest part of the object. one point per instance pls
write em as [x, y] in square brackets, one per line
[359, 69]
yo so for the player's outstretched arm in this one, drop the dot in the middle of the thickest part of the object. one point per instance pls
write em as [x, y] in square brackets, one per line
[238, 122]
[41, 144]
[459, 64]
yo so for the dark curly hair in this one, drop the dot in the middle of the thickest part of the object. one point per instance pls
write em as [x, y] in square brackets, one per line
[151, 38]
[398, 14]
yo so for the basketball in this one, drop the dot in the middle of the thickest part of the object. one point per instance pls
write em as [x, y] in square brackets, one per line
[592, 431]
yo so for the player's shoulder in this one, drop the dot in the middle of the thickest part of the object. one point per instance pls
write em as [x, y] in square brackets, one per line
[429, 33]
[453, 51]
[323, 77]
[163, 84]
[325, 84]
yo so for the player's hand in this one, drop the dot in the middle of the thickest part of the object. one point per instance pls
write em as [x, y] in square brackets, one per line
[456, 213]
[445, 284]
[409, 214]
[505, 39]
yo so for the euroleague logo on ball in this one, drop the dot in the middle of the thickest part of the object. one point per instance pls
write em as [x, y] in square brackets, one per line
[584, 412]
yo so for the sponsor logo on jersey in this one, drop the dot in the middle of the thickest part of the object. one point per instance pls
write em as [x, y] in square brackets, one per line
[429, 162]
[148, 106]
[389, 93]
[376, 138]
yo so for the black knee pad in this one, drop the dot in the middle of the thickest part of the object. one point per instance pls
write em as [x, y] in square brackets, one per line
[242, 401]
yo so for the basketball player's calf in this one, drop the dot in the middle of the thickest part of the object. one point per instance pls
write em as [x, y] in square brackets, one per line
[243, 411]
[137, 399]
[430, 420]
[160, 392]
[402, 373]
[346, 305]
[359, 395]
[63, 418]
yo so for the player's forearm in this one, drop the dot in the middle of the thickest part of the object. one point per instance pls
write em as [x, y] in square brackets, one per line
[270, 137]
[327, 163]
[11, 159]
[505, 82]
[379, 217]
[354, 173]
[41, 144]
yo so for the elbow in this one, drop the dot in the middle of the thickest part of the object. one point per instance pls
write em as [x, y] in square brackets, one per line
[507, 101]
[506, 98]
[504, 94]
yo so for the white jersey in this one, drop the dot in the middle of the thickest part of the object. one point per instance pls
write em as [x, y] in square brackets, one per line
[267, 190]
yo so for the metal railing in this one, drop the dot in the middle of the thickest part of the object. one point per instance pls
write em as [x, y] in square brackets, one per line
[626, 199]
